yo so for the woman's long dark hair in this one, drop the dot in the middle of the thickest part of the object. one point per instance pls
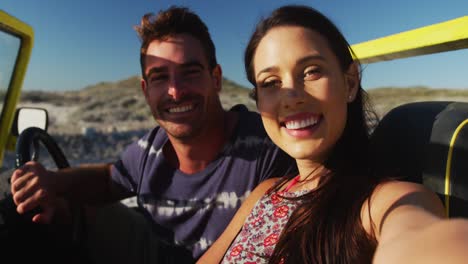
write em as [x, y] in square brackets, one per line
[327, 226]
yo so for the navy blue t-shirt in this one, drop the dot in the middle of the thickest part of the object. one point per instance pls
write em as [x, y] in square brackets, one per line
[193, 210]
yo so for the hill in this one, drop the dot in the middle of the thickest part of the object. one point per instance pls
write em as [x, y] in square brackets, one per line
[97, 122]
[111, 106]
[120, 106]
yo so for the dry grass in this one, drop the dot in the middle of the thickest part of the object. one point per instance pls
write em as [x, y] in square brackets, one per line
[387, 98]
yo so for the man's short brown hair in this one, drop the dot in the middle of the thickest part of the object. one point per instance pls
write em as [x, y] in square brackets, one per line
[172, 21]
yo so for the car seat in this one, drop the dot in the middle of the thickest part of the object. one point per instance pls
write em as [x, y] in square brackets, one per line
[427, 142]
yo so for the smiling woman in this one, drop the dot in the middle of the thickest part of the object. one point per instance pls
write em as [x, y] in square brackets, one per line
[340, 208]
[307, 82]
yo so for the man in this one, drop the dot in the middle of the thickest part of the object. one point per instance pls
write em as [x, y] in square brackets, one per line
[190, 173]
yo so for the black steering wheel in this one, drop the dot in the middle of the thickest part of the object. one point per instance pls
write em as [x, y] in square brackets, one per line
[31, 137]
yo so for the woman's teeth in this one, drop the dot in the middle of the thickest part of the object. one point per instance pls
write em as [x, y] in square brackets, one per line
[298, 124]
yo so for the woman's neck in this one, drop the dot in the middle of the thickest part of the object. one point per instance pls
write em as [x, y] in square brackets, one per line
[310, 172]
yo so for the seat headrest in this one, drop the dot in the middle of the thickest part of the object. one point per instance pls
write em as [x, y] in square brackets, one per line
[427, 142]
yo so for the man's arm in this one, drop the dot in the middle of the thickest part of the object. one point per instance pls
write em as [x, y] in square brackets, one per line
[33, 186]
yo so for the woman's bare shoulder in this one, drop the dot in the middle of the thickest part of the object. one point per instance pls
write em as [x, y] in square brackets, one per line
[391, 195]
[392, 190]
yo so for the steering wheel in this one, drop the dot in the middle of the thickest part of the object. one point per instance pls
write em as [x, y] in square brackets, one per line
[31, 137]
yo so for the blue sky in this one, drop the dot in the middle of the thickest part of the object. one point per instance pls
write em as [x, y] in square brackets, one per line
[81, 43]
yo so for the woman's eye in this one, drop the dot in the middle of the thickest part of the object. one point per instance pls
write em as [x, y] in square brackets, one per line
[271, 84]
[312, 74]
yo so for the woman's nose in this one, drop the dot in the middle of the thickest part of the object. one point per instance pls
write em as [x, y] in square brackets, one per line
[292, 98]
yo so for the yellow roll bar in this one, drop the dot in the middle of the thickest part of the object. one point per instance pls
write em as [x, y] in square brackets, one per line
[445, 36]
[25, 32]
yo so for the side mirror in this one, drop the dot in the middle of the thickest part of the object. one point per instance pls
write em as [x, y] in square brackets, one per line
[26, 117]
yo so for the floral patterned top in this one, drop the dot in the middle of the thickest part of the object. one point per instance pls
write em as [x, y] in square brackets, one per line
[257, 239]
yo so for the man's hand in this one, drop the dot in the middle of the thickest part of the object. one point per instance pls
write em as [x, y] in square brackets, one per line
[32, 187]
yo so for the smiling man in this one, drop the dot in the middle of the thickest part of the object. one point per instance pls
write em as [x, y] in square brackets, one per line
[182, 86]
[190, 174]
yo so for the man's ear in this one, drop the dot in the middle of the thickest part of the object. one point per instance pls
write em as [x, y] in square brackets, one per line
[144, 88]
[217, 75]
[353, 81]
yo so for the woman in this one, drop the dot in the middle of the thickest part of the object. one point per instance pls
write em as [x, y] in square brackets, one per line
[338, 209]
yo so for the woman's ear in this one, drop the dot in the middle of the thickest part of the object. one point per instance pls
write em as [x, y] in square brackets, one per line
[353, 81]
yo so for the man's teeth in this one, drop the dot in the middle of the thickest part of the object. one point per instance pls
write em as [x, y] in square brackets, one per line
[298, 124]
[180, 109]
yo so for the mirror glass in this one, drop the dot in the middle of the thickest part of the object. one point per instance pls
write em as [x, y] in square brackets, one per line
[9, 48]
[31, 117]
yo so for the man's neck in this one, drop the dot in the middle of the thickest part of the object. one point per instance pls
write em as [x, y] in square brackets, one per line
[195, 154]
